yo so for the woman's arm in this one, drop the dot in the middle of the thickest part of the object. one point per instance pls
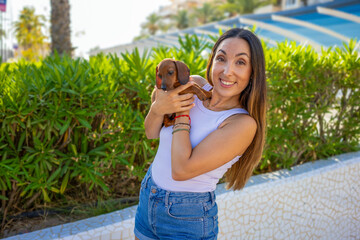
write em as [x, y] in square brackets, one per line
[219, 147]
[153, 123]
[166, 102]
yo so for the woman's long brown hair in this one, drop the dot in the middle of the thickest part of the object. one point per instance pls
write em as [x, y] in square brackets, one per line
[253, 99]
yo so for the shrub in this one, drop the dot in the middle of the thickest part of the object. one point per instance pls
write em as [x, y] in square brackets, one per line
[313, 104]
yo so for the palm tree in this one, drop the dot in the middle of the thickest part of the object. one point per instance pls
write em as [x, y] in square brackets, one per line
[60, 27]
[235, 7]
[2, 33]
[28, 33]
[152, 24]
[250, 6]
[181, 19]
[208, 13]
[164, 27]
[231, 8]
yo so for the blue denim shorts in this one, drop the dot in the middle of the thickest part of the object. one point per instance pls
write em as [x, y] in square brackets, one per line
[164, 214]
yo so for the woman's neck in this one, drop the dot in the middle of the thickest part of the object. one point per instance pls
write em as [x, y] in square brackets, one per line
[216, 103]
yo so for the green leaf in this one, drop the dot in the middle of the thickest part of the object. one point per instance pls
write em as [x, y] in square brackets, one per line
[21, 141]
[84, 122]
[54, 175]
[73, 148]
[65, 126]
[3, 198]
[64, 183]
[55, 190]
[45, 195]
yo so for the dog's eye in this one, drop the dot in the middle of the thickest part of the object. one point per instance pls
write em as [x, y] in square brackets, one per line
[171, 73]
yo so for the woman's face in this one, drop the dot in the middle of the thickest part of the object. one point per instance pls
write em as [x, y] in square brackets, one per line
[231, 68]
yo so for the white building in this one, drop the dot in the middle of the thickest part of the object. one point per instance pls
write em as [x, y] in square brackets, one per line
[292, 20]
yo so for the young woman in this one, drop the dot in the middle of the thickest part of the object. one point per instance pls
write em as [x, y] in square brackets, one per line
[222, 135]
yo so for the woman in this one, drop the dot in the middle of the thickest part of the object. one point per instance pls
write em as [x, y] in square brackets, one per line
[222, 135]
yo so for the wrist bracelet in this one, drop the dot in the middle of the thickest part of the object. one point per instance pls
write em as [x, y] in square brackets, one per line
[186, 124]
[184, 116]
[180, 129]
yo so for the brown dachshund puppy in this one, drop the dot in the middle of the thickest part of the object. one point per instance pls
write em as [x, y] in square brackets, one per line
[169, 75]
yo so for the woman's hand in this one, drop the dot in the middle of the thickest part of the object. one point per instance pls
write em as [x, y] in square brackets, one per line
[167, 102]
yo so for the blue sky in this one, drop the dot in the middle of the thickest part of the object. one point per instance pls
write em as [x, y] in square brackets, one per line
[103, 23]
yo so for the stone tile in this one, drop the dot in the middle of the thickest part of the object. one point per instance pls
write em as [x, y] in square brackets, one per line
[319, 200]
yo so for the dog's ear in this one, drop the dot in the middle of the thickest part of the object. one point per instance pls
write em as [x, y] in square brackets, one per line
[158, 79]
[183, 72]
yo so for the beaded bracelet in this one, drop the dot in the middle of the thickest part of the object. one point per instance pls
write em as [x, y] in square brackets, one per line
[180, 129]
[177, 124]
[184, 116]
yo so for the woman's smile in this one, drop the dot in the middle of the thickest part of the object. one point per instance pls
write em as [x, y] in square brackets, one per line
[226, 84]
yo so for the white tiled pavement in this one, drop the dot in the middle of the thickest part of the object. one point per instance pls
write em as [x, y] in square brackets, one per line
[319, 200]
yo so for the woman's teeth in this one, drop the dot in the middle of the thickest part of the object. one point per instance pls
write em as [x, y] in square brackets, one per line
[226, 82]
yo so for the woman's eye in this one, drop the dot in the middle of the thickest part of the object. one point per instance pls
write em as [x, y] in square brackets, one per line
[219, 59]
[241, 62]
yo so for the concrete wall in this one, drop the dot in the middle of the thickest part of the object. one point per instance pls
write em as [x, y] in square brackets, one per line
[319, 200]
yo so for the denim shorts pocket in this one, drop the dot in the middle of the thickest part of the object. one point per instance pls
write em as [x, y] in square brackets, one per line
[186, 211]
[212, 209]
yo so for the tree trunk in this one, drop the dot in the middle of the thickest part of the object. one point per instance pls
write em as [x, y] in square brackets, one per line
[60, 27]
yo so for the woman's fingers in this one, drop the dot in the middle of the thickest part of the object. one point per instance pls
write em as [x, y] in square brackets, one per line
[186, 108]
[187, 102]
[170, 101]
[186, 96]
[183, 87]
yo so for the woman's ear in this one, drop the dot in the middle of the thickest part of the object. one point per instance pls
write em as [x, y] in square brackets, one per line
[183, 72]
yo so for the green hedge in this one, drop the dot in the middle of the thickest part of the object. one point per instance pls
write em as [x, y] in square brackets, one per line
[314, 104]
[76, 124]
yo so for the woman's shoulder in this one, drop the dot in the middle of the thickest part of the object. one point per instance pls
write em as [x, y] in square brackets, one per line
[199, 80]
[240, 121]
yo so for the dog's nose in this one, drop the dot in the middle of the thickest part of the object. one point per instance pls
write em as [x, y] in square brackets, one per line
[163, 87]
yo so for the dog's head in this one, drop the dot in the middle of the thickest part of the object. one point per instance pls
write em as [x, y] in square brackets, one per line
[169, 72]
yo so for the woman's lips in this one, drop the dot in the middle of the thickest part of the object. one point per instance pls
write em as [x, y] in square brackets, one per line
[226, 84]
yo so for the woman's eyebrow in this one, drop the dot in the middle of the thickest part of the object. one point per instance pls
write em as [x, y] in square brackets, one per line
[220, 50]
[243, 53]
[239, 54]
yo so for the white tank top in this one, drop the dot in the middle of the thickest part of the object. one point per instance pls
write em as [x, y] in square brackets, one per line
[203, 122]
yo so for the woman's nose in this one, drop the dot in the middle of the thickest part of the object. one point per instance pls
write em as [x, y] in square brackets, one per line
[228, 69]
